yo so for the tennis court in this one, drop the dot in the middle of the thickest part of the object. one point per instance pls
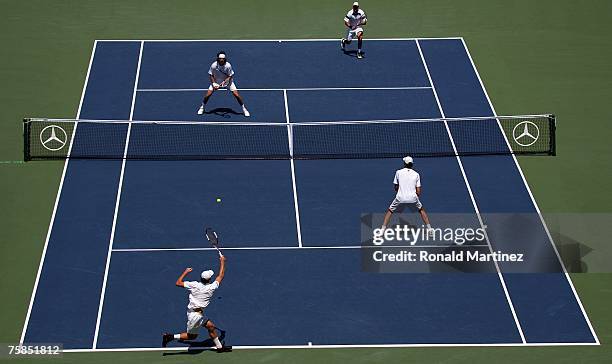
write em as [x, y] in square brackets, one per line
[123, 230]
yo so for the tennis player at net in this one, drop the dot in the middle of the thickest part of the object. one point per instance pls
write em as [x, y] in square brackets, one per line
[354, 20]
[407, 184]
[200, 293]
[221, 75]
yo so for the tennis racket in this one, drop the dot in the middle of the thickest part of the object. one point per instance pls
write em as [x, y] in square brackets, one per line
[213, 238]
[221, 85]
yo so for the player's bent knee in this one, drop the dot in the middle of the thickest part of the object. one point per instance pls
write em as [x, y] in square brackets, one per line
[210, 326]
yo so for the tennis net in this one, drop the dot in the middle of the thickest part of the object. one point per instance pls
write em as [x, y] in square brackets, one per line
[174, 140]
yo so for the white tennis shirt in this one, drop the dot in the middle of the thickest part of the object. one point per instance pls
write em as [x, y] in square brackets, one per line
[200, 293]
[221, 72]
[353, 19]
[408, 180]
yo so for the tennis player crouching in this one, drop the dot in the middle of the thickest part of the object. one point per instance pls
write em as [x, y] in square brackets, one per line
[200, 294]
[221, 75]
[407, 184]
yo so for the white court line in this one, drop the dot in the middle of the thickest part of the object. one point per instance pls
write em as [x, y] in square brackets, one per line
[93, 53]
[295, 198]
[469, 188]
[331, 346]
[533, 200]
[136, 250]
[57, 198]
[117, 201]
[271, 40]
[289, 89]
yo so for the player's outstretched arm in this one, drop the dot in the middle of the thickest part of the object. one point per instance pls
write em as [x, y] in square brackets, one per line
[221, 269]
[179, 281]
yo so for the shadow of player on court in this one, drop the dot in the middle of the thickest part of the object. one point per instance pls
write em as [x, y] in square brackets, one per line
[198, 347]
[224, 112]
[352, 53]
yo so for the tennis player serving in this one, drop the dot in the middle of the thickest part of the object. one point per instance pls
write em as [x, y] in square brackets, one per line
[407, 184]
[200, 294]
[221, 75]
[354, 19]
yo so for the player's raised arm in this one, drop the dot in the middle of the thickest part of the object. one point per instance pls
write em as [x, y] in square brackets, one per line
[221, 269]
[179, 281]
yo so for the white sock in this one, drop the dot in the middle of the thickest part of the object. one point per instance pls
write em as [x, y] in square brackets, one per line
[217, 343]
[384, 227]
[177, 336]
[359, 50]
[429, 226]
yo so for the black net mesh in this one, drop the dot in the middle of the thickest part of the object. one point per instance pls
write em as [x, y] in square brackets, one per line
[89, 139]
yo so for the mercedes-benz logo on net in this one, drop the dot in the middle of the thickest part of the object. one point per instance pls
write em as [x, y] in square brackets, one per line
[525, 133]
[53, 138]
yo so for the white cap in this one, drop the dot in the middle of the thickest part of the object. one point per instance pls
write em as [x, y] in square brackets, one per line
[407, 159]
[221, 55]
[207, 274]
[356, 3]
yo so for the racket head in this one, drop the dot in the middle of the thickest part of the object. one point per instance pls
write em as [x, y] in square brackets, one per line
[212, 236]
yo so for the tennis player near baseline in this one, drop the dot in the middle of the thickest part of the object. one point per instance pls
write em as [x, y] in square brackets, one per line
[200, 294]
[221, 75]
[354, 19]
[407, 184]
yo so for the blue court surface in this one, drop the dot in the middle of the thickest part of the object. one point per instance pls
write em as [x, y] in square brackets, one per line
[122, 231]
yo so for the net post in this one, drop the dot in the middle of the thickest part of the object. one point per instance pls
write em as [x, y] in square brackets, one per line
[26, 140]
[552, 120]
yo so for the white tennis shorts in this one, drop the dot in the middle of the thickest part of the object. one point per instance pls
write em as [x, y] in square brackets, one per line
[399, 206]
[195, 320]
[231, 87]
[352, 33]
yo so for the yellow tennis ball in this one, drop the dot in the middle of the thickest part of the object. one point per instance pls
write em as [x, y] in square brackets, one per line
[218, 199]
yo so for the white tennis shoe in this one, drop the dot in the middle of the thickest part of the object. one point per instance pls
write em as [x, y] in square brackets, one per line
[245, 111]
[201, 110]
